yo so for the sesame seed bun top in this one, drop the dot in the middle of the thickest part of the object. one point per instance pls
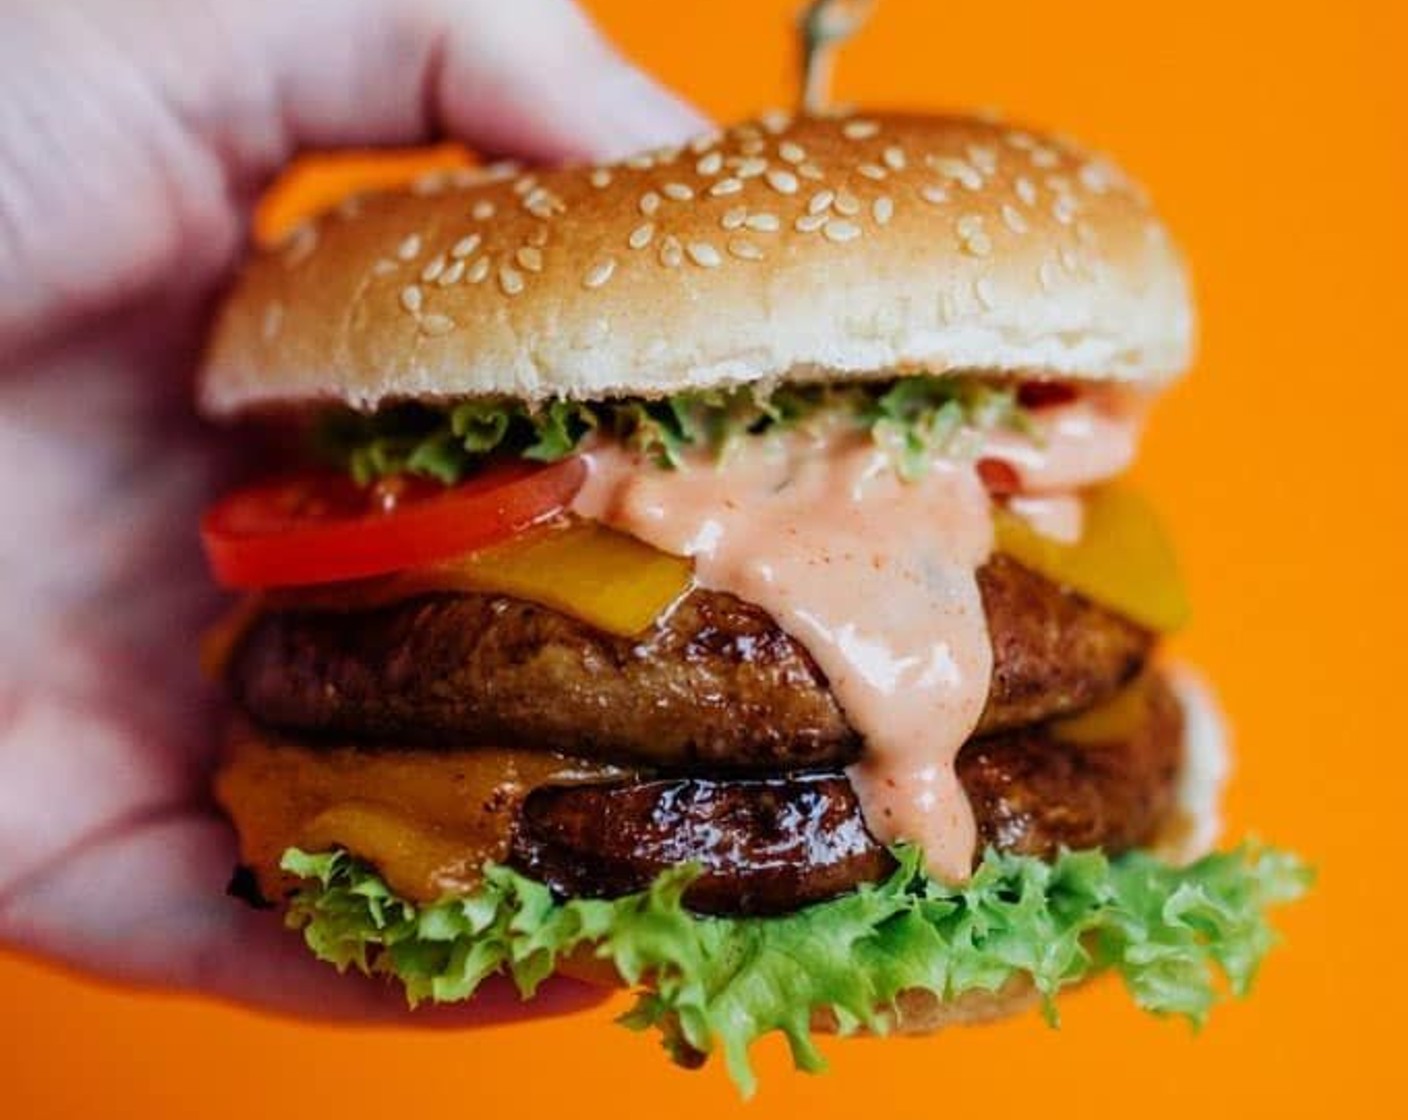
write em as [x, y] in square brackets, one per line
[838, 246]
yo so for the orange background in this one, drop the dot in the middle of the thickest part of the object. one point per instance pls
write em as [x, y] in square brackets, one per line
[1277, 145]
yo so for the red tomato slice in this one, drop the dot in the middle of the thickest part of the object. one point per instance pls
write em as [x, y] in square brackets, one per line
[320, 528]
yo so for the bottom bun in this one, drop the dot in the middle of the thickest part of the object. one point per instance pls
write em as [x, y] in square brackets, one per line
[915, 1012]
[920, 1012]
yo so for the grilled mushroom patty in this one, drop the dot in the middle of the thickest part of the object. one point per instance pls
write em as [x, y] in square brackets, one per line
[771, 845]
[763, 845]
[715, 686]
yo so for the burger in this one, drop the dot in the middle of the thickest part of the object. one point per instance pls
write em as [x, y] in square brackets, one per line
[711, 573]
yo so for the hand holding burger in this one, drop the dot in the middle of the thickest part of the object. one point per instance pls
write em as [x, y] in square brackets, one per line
[135, 139]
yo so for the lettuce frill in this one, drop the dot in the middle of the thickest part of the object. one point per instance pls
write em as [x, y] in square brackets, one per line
[1180, 937]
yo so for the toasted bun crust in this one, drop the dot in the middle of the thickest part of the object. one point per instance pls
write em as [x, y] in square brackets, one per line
[839, 246]
[915, 1012]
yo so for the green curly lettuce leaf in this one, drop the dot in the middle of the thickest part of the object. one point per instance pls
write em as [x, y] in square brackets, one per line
[721, 983]
[914, 418]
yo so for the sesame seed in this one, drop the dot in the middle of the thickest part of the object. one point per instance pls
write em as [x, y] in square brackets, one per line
[1044, 157]
[432, 182]
[750, 168]
[642, 235]
[525, 184]
[847, 204]
[600, 177]
[466, 246]
[859, 130]
[542, 203]
[452, 275]
[599, 273]
[680, 192]
[1026, 190]
[1022, 141]
[820, 201]
[791, 151]
[299, 244]
[784, 182]
[983, 158]
[710, 164]
[894, 157]
[946, 305]
[763, 223]
[776, 120]
[983, 289]
[530, 258]
[972, 235]
[482, 210]
[883, 208]
[642, 161]
[1012, 218]
[959, 170]
[478, 271]
[932, 194]
[668, 154]
[649, 203]
[753, 146]
[704, 255]
[431, 272]
[1096, 176]
[809, 223]
[744, 249]
[510, 280]
[500, 170]
[671, 252]
[383, 267]
[839, 230]
[273, 321]
[412, 298]
[980, 245]
[872, 171]
[1046, 274]
[704, 141]
[437, 324]
[809, 171]
[726, 187]
[1064, 209]
[409, 249]
[734, 217]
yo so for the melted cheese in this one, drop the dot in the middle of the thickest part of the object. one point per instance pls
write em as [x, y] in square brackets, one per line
[427, 820]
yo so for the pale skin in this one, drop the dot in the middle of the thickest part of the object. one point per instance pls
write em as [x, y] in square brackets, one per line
[134, 137]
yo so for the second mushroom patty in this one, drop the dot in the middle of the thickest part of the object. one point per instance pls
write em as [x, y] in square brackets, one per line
[773, 845]
[715, 685]
[761, 845]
